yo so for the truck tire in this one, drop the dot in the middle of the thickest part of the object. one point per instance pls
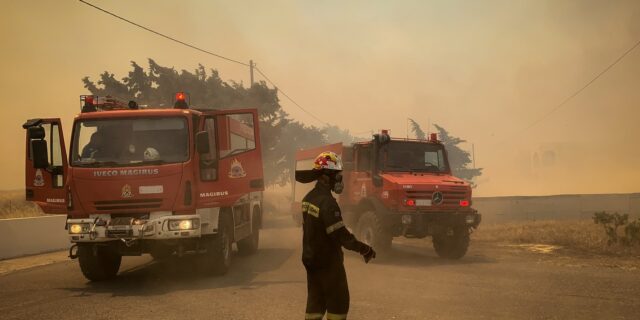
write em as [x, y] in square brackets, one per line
[452, 246]
[99, 265]
[371, 231]
[217, 258]
[249, 245]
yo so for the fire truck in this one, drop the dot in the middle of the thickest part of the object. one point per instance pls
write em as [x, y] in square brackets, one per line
[165, 181]
[399, 187]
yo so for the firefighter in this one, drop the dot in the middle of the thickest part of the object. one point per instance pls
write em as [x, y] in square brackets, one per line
[324, 235]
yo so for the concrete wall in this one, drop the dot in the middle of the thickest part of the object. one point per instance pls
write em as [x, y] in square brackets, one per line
[560, 207]
[25, 236]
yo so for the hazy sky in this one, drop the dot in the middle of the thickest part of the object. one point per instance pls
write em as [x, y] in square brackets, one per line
[484, 70]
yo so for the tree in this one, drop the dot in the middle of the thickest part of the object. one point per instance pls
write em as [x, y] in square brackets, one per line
[334, 134]
[417, 130]
[280, 135]
[459, 160]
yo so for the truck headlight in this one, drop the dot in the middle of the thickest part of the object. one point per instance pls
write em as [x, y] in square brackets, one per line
[78, 228]
[185, 224]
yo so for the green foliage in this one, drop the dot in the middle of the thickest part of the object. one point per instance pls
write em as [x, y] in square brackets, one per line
[611, 222]
[632, 232]
[333, 134]
[417, 130]
[280, 135]
[459, 159]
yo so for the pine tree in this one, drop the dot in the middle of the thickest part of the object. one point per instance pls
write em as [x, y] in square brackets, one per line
[417, 130]
[459, 159]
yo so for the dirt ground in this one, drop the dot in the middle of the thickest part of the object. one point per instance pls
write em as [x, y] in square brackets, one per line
[495, 280]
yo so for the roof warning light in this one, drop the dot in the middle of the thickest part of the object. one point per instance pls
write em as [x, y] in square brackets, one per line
[181, 101]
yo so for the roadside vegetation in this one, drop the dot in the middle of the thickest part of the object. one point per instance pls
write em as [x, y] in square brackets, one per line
[580, 236]
[13, 205]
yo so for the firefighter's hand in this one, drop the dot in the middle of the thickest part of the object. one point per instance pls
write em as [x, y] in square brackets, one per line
[368, 253]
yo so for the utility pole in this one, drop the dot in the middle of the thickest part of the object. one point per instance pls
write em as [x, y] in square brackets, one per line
[251, 65]
[473, 154]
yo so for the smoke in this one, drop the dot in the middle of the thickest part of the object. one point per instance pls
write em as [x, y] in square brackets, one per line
[483, 70]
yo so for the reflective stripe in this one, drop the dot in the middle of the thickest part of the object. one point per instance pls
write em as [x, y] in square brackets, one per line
[333, 316]
[311, 209]
[335, 226]
[313, 316]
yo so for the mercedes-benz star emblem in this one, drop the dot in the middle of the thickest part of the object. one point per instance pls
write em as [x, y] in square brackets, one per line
[437, 198]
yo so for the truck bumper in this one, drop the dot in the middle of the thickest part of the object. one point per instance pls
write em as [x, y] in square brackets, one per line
[421, 224]
[161, 228]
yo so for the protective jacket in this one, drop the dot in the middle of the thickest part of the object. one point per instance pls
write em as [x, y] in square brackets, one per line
[324, 230]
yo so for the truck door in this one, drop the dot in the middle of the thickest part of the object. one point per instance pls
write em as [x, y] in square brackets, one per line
[360, 182]
[240, 156]
[46, 165]
[231, 169]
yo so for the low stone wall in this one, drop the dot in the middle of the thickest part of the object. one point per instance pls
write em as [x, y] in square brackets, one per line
[559, 207]
[26, 236]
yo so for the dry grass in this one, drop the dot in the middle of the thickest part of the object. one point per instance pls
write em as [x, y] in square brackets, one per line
[578, 235]
[13, 205]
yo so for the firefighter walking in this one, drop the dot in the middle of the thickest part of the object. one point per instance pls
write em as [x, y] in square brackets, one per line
[324, 235]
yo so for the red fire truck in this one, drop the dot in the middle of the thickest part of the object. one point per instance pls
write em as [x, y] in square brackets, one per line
[164, 181]
[399, 187]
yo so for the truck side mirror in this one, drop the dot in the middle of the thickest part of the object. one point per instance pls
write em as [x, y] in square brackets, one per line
[202, 142]
[39, 153]
[36, 132]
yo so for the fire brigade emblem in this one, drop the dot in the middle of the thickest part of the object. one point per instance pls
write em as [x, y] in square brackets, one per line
[126, 191]
[38, 181]
[437, 198]
[236, 170]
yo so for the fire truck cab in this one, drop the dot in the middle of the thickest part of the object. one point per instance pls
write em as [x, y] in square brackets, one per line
[136, 180]
[399, 187]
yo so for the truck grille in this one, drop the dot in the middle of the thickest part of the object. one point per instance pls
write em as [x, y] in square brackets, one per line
[450, 197]
[128, 204]
[119, 233]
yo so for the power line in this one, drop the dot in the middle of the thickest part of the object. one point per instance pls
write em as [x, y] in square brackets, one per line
[287, 96]
[164, 35]
[250, 65]
[569, 98]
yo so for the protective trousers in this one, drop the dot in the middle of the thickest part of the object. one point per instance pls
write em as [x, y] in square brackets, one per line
[328, 292]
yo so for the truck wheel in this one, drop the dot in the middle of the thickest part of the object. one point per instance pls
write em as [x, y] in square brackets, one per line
[249, 245]
[103, 264]
[371, 231]
[452, 246]
[217, 259]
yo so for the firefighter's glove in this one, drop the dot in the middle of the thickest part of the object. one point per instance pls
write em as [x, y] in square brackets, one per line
[367, 253]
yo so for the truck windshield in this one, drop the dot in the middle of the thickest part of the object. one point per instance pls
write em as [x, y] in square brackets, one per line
[129, 142]
[413, 156]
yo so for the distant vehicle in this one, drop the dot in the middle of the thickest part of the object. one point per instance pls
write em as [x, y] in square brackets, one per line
[399, 187]
[171, 181]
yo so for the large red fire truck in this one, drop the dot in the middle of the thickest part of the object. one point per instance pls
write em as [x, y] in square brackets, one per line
[164, 181]
[399, 187]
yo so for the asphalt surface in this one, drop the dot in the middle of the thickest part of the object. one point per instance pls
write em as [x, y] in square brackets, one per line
[491, 282]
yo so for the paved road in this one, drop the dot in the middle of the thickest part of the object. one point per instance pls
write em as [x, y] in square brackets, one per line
[492, 282]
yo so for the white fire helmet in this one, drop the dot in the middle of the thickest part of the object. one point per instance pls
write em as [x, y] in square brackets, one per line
[151, 154]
